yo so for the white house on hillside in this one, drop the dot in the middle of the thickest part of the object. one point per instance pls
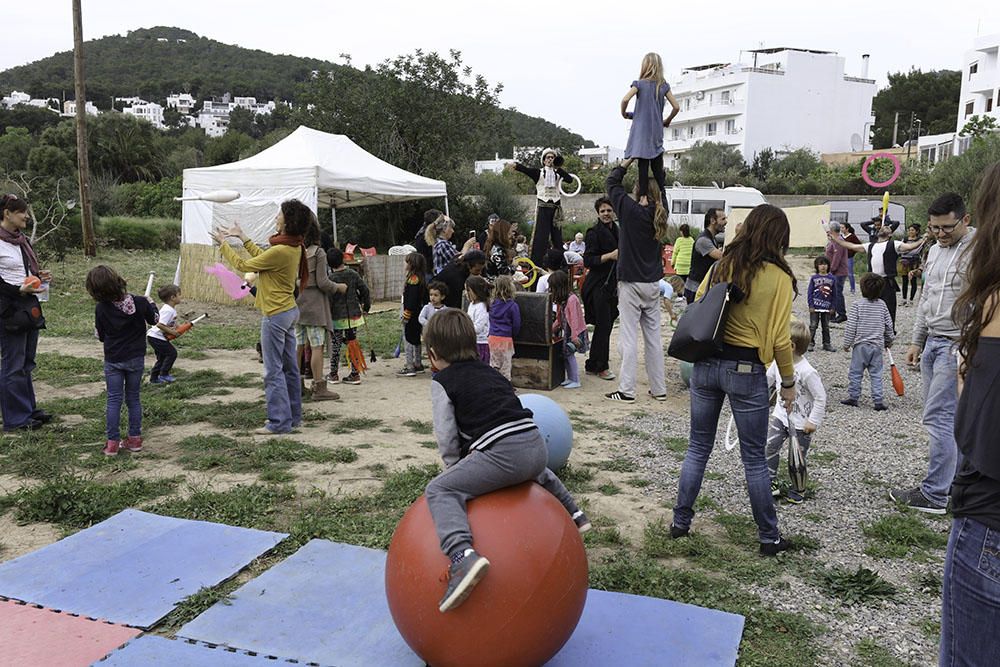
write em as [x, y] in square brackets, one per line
[183, 102]
[151, 112]
[495, 165]
[783, 99]
[69, 108]
[593, 157]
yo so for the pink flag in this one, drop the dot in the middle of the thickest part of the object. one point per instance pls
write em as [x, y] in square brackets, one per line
[232, 284]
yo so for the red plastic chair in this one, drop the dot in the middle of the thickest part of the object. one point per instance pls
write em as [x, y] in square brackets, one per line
[368, 252]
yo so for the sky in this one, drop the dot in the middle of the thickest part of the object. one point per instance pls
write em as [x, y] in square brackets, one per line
[570, 63]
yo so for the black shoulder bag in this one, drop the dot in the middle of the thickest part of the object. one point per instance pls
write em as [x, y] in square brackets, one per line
[23, 312]
[700, 330]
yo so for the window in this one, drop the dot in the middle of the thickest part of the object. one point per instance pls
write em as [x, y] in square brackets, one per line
[989, 105]
[838, 216]
[731, 126]
[687, 104]
[679, 206]
[710, 129]
[690, 131]
[675, 133]
[973, 68]
[724, 97]
[968, 108]
[701, 206]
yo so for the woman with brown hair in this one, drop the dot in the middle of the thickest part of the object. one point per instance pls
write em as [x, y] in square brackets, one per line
[970, 608]
[499, 249]
[756, 333]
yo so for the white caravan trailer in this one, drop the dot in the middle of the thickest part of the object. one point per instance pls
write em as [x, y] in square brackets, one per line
[688, 204]
[857, 211]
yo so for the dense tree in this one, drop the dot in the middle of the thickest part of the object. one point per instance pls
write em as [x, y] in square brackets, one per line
[932, 96]
[33, 119]
[708, 161]
[15, 144]
[979, 126]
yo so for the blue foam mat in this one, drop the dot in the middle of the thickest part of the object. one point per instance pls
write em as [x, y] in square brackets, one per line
[621, 629]
[132, 568]
[324, 604]
[153, 651]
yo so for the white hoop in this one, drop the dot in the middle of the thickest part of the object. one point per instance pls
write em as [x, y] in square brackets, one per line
[579, 185]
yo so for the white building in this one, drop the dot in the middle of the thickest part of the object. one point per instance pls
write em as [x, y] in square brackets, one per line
[151, 112]
[213, 123]
[69, 108]
[602, 155]
[16, 97]
[496, 165]
[980, 94]
[784, 99]
[183, 102]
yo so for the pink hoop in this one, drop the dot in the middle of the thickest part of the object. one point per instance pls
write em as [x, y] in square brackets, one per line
[883, 184]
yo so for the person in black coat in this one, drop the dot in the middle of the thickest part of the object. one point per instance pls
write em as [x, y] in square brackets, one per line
[600, 289]
[456, 273]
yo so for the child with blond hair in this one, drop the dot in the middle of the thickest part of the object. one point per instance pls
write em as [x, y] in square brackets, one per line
[505, 323]
[807, 412]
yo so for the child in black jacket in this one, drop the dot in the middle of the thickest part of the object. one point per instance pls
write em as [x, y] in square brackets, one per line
[488, 441]
[120, 320]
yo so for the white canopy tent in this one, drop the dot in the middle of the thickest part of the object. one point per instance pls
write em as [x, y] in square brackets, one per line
[318, 168]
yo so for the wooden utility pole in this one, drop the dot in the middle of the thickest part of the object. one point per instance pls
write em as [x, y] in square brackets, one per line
[82, 160]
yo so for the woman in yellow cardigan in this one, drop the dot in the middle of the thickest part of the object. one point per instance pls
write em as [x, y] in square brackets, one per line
[281, 269]
[756, 333]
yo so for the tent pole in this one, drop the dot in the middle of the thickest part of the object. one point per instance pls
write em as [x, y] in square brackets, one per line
[333, 216]
[446, 205]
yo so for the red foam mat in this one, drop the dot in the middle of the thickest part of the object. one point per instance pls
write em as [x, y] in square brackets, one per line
[41, 637]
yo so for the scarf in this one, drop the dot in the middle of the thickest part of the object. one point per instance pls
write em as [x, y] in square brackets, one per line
[19, 239]
[294, 240]
[550, 176]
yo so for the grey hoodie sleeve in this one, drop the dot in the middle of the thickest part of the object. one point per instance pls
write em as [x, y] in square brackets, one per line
[445, 426]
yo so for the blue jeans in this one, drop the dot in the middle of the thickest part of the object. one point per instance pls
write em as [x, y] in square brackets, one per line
[850, 272]
[939, 373]
[839, 303]
[867, 356]
[17, 361]
[712, 380]
[123, 380]
[282, 385]
[970, 596]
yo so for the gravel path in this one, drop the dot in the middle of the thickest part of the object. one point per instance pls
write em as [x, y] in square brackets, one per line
[875, 451]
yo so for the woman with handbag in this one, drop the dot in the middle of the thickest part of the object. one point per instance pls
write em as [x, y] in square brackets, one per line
[600, 288]
[755, 333]
[20, 318]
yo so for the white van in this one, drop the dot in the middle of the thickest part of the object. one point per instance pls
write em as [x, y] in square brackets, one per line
[861, 210]
[688, 204]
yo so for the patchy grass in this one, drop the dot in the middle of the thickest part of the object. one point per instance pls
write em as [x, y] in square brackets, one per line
[60, 370]
[617, 464]
[609, 489]
[861, 586]
[898, 535]
[871, 654]
[253, 506]
[219, 452]
[73, 502]
[419, 427]
[352, 424]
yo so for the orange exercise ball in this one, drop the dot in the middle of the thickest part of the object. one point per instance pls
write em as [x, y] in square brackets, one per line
[524, 609]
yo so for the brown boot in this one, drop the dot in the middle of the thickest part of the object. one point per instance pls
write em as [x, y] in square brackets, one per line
[321, 393]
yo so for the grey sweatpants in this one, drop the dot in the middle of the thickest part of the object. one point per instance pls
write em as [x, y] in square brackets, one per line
[507, 462]
[777, 434]
[639, 310]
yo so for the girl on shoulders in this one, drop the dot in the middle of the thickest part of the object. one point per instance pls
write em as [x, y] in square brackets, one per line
[645, 139]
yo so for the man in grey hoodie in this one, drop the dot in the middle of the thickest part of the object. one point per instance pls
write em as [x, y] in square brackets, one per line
[935, 334]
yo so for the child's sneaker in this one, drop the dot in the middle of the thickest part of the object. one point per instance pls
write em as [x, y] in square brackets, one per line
[812, 346]
[159, 380]
[133, 443]
[571, 385]
[853, 402]
[607, 374]
[676, 532]
[419, 369]
[407, 372]
[829, 348]
[111, 448]
[775, 489]
[332, 378]
[462, 578]
[794, 497]
[879, 406]
[582, 522]
[168, 378]
[774, 548]
[353, 378]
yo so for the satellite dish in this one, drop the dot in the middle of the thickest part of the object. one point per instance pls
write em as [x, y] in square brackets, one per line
[857, 143]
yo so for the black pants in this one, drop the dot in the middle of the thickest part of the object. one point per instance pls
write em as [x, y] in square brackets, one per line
[910, 283]
[604, 309]
[689, 296]
[337, 341]
[546, 233]
[657, 165]
[166, 355]
[889, 290]
[819, 319]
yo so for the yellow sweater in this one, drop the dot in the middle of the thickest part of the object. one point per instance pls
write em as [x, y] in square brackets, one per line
[762, 320]
[278, 269]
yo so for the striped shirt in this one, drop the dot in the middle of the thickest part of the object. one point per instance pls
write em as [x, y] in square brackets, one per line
[868, 322]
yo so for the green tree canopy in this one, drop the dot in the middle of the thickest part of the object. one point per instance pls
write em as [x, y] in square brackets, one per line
[932, 96]
[709, 161]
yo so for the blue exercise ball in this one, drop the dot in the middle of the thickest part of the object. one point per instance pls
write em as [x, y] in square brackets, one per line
[554, 424]
[686, 368]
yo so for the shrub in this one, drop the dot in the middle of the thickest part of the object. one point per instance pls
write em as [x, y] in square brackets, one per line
[145, 234]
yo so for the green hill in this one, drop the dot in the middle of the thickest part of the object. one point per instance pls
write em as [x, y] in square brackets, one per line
[154, 62]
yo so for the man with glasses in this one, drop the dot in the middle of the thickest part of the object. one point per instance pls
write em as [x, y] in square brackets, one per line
[934, 344]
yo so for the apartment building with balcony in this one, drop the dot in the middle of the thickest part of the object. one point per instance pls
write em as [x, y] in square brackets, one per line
[980, 94]
[783, 99]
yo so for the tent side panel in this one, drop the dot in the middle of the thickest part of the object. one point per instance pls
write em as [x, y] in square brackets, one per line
[198, 285]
